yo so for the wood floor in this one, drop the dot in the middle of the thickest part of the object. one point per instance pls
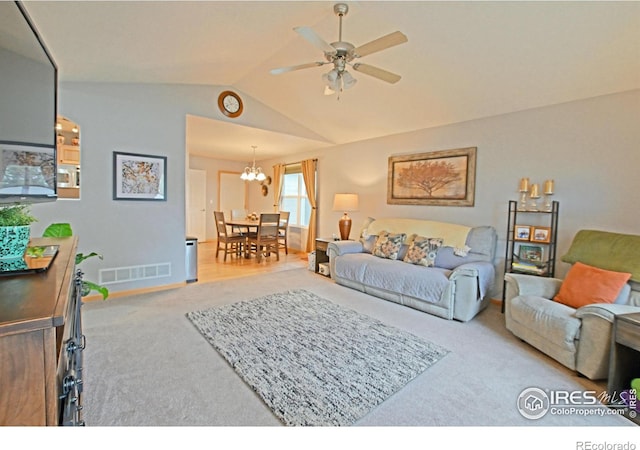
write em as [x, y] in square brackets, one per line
[211, 268]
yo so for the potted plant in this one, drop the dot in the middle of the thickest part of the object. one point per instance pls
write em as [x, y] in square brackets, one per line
[64, 230]
[15, 230]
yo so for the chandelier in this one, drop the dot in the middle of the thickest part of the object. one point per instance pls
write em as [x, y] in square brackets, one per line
[253, 172]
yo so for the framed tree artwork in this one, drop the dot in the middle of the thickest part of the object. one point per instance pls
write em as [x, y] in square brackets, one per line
[445, 178]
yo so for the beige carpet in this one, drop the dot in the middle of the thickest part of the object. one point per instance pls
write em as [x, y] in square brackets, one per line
[145, 363]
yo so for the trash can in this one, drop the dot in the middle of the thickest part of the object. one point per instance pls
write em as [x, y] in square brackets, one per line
[312, 261]
[191, 259]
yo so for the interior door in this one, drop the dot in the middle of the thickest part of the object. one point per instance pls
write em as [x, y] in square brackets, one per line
[197, 204]
[232, 192]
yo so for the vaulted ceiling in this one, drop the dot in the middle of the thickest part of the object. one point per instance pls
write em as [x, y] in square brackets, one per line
[462, 61]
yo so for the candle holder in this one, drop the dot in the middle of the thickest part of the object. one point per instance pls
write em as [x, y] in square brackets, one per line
[523, 188]
[533, 198]
[522, 204]
[548, 192]
[547, 202]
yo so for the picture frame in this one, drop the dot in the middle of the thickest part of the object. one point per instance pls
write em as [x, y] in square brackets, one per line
[139, 177]
[532, 253]
[522, 233]
[541, 235]
[442, 178]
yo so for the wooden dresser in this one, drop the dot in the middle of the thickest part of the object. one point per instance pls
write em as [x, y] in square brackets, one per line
[41, 342]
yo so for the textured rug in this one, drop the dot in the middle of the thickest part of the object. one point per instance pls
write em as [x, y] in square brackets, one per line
[314, 362]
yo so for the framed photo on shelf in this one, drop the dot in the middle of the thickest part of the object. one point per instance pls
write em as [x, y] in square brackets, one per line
[522, 233]
[532, 253]
[139, 177]
[541, 234]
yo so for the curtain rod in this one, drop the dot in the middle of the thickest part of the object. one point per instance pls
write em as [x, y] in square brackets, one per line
[300, 162]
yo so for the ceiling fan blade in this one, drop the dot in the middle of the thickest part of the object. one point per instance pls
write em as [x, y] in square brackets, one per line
[376, 72]
[382, 43]
[280, 70]
[316, 40]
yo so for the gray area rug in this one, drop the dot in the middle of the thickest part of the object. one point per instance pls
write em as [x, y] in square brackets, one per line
[314, 362]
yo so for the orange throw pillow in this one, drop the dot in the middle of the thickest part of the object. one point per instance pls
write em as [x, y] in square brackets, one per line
[585, 285]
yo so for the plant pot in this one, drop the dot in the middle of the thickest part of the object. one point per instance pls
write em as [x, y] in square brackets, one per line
[14, 241]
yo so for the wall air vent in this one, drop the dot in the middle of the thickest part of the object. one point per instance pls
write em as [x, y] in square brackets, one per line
[134, 273]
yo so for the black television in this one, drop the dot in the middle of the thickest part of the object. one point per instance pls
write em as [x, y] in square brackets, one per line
[28, 110]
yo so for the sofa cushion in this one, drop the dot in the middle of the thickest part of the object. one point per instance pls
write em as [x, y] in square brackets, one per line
[388, 244]
[586, 284]
[611, 251]
[556, 322]
[368, 243]
[481, 242]
[423, 251]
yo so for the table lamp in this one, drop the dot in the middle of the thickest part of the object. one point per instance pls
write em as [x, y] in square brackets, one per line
[345, 202]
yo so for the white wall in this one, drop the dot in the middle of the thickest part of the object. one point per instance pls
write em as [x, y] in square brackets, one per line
[589, 147]
[146, 119]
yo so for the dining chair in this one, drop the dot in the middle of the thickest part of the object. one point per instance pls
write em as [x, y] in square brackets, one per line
[227, 241]
[283, 230]
[239, 214]
[265, 240]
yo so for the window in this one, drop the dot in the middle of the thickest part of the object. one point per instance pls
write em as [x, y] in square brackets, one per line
[294, 198]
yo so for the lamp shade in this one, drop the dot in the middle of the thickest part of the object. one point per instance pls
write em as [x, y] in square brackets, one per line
[345, 202]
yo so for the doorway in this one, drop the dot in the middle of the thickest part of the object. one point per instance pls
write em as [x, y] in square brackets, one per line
[197, 204]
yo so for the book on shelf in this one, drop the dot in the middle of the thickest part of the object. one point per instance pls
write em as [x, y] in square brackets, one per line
[521, 266]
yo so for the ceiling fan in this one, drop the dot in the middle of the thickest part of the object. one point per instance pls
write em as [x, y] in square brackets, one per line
[341, 54]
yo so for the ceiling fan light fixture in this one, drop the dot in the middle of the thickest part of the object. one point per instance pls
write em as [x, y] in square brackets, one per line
[348, 80]
[328, 91]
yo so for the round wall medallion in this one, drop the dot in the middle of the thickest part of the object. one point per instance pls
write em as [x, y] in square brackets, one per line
[265, 190]
[230, 104]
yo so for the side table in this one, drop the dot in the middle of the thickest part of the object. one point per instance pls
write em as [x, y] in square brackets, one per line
[624, 362]
[321, 252]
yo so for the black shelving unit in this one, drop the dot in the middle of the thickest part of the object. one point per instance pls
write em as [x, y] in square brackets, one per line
[518, 219]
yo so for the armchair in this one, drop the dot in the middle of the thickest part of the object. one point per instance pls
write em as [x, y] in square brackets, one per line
[577, 333]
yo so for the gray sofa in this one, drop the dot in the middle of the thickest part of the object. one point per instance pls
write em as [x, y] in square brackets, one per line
[579, 338]
[456, 287]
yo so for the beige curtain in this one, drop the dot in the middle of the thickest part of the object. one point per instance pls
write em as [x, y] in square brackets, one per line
[278, 177]
[309, 174]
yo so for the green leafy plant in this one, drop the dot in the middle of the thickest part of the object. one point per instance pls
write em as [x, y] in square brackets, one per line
[17, 215]
[64, 230]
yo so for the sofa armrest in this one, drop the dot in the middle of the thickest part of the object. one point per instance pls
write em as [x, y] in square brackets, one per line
[338, 248]
[520, 284]
[481, 271]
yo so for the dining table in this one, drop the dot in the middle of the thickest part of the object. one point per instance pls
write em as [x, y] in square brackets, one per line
[248, 225]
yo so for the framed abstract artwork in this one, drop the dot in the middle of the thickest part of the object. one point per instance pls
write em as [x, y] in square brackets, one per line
[445, 178]
[139, 177]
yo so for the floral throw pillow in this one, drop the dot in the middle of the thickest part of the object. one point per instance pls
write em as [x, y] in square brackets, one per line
[388, 245]
[423, 251]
